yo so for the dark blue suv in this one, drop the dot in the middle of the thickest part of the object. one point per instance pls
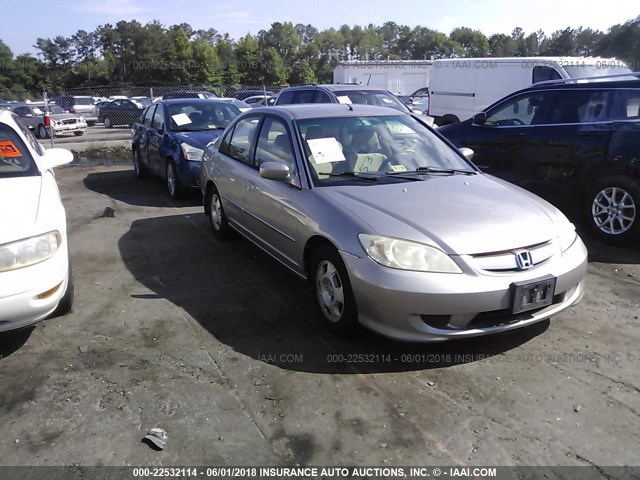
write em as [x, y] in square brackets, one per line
[171, 135]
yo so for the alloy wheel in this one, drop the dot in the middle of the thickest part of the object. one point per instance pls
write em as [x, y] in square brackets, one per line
[330, 291]
[171, 179]
[613, 210]
[216, 212]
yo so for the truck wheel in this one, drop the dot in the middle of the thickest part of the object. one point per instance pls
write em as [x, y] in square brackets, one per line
[612, 209]
[449, 119]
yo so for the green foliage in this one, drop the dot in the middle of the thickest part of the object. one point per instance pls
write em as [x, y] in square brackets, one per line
[153, 54]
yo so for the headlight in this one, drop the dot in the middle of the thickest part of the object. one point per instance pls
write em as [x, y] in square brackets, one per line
[407, 255]
[192, 153]
[54, 122]
[29, 251]
[567, 236]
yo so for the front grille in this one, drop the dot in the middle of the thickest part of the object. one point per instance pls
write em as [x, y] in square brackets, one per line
[504, 262]
[68, 121]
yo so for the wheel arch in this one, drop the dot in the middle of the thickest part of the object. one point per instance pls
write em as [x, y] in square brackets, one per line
[312, 245]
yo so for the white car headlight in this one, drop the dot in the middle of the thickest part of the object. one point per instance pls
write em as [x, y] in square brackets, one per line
[407, 255]
[192, 153]
[29, 251]
[567, 236]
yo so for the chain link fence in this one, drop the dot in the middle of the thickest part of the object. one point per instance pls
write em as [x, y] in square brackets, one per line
[102, 116]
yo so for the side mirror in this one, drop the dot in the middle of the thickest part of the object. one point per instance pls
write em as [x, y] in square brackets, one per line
[56, 157]
[275, 171]
[480, 118]
[466, 153]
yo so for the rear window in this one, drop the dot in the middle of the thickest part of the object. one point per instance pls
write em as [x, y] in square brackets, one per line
[15, 158]
[84, 101]
[371, 97]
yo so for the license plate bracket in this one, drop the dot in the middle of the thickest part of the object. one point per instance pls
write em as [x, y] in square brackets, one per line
[533, 294]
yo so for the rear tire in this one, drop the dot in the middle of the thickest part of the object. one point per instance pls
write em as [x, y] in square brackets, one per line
[612, 209]
[332, 291]
[140, 170]
[216, 214]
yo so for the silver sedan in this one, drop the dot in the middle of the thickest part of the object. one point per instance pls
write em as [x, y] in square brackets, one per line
[394, 228]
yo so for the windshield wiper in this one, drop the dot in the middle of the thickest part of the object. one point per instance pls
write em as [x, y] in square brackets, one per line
[360, 175]
[436, 170]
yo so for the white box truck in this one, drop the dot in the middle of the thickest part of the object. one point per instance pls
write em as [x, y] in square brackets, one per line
[462, 87]
[400, 77]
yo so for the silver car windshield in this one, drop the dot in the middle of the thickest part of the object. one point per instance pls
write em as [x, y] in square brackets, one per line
[374, 146]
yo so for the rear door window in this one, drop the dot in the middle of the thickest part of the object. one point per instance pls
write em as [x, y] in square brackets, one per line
[625, 105]
[579, 106]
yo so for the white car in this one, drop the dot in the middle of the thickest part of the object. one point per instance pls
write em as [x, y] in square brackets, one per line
[35, 272]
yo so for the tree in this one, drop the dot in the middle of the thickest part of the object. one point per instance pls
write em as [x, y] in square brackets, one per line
[474, 43]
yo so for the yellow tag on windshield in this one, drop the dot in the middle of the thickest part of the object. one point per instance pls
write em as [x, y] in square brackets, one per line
[398, 168]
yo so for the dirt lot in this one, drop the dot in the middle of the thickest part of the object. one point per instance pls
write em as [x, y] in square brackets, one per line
[220, 345]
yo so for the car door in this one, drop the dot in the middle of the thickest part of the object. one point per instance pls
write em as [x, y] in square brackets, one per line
[273, 217]
[506, 138]
[155, 139]
[143, 129]
[573, 137]
[232, 170]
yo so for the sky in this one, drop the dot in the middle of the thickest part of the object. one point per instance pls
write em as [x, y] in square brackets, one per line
[39, 18]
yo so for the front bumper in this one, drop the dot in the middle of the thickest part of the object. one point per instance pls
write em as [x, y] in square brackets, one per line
[189, 172]
[399, 304]
[19, 291]
[72, 127]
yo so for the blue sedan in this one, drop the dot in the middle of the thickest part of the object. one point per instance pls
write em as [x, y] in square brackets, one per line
[170, 136]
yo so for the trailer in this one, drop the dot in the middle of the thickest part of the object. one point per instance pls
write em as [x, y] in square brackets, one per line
[400, 77]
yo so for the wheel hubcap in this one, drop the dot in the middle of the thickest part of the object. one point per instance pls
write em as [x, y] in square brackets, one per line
[171, 180]
[330, 291]
[216, 212]
[613, 211]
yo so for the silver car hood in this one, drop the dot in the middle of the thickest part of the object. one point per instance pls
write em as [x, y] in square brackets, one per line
[462, 214]
[63, 116]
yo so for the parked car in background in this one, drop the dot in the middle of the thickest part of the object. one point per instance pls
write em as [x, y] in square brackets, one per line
[460, 87]
[35, 271]
[189, 94]
[118, 97]
[260, 101]
[244, 94]
[575, 144]
[120, 112]
[82, 105]
[101, 104]
[393, 227]
[340, 93]
[420, 100]
[239, 104]
[171, 135]
[32, 115]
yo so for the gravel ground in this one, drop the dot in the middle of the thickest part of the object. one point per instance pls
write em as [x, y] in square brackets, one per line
[219, 345]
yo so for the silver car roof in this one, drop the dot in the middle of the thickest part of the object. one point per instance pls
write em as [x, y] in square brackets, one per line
[323, 110]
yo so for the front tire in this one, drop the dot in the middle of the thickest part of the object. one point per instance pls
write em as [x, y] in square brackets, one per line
[612, 209]
[66, 303]
[173, 181]
[216, 214]
[332, 291]
[43, 132]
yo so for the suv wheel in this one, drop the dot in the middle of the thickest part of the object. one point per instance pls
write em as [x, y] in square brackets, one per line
[613, 209]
